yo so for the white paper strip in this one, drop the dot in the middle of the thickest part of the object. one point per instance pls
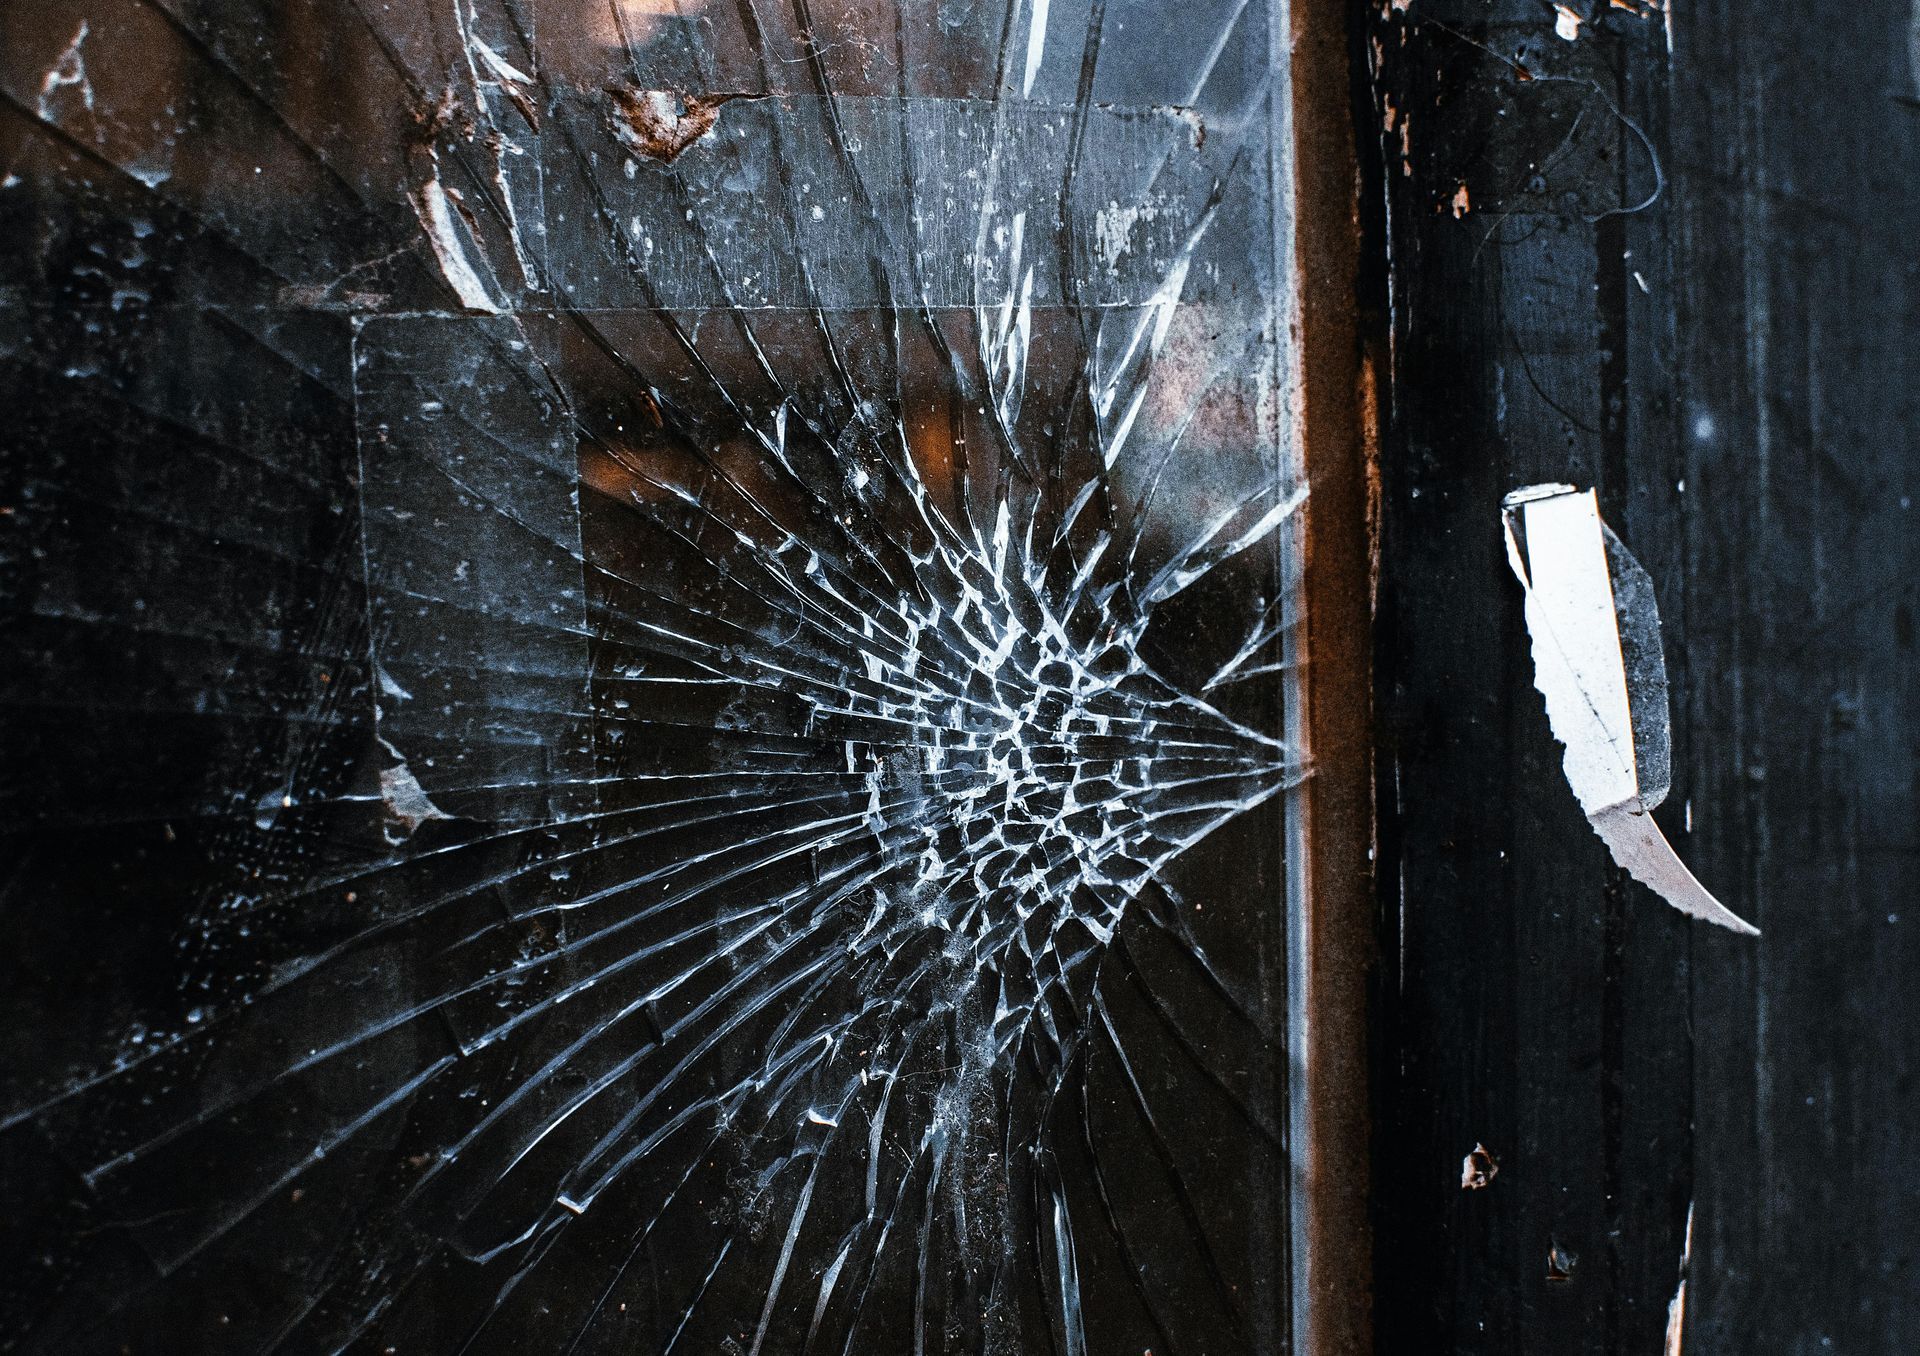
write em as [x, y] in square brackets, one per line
[1557, 548]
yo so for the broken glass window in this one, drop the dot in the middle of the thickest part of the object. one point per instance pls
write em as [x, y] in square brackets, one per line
[648, 684]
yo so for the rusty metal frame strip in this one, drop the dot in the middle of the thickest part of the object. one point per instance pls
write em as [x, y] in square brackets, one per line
[1331, 818]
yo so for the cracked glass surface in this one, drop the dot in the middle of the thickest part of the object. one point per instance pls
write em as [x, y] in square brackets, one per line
[648, 670]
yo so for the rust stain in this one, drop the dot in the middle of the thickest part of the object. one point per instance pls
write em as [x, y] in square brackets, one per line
[1677, 1306]
[1334, 941]
[1369, 410]
[1676, 1321]
[660, 124]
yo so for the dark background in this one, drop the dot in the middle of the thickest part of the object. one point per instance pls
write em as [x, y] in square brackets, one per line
[431, 797]
[1733, 366]
[1673, 257]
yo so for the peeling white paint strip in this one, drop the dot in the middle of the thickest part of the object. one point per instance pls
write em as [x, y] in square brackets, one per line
[1677, 1306]
[1576, 644]
[1638, 845]
[1036, 46]
[501, 68]
[430, 205]
[1579, 669]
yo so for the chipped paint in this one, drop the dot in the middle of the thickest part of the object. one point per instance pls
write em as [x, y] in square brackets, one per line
[1478, 1169]
[430, 204]
[658, 124]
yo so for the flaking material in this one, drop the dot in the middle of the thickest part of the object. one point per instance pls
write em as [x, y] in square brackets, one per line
[1608, 715]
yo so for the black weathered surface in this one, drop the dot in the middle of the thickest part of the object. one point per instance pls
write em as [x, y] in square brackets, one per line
[1749, 417]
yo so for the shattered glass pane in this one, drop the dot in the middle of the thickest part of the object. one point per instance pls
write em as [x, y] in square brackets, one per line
[647, 705]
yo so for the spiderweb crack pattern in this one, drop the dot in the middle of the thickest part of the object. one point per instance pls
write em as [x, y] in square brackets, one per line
[738, 696]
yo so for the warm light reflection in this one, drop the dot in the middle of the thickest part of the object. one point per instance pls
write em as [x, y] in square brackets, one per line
[629, 23]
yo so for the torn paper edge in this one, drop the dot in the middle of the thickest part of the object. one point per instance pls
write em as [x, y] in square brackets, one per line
[1580, 671]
